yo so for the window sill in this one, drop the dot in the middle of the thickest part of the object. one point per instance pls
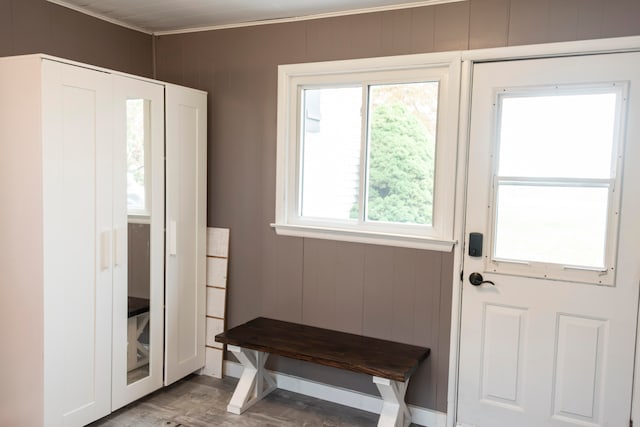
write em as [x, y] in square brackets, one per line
[372, 238]
[138, 219]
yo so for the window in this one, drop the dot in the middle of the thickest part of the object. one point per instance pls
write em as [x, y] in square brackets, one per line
[138, 157]
[367, 150]
[555, 208]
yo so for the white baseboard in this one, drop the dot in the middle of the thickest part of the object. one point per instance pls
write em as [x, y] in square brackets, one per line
[354, 399]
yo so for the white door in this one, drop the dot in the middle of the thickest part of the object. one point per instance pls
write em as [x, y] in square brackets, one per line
[186, 211]
[554, 189]
[77, 162]
[138, 224]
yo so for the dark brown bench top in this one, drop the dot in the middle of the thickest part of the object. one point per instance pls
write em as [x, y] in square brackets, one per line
[380, 358]
[137, 306]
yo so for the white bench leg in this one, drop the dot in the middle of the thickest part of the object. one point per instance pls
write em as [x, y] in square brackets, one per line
[142, 321]
[255, 382]
[394, 410]
[132, 344]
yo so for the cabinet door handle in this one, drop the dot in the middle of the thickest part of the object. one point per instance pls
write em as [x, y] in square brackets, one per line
[173, 238]
[105, 250]
[117, 250]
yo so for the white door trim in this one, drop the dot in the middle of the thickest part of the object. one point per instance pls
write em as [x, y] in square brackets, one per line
[458, 235]
[469, 58]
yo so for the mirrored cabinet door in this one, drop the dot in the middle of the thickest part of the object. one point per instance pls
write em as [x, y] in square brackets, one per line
[138, 295]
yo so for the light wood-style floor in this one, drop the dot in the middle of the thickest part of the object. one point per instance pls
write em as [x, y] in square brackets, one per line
[200, 401]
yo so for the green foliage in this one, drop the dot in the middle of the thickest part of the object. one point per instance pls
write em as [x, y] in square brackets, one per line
[135, 140]
[401, 164]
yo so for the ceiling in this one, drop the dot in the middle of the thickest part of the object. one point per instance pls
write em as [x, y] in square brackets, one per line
[166, 16]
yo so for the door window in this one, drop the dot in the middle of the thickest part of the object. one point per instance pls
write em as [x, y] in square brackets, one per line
[555, 175]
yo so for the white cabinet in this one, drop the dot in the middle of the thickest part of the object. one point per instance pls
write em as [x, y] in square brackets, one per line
[72, 225]
[186, 195]
[138, 231]
[77, 219]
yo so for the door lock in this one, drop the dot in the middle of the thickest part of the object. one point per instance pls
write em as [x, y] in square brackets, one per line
[475, 244]
[476, 279]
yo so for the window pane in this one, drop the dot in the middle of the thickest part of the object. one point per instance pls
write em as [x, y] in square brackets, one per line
[564, 136]
[402, 138]
[331, 138]
[136, 134]
[561, 225]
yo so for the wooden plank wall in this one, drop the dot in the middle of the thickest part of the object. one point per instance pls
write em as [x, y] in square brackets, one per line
[386, 292]
[217, 268]
[325, 283]
[390, 293]
[349, 286]
[38, 26]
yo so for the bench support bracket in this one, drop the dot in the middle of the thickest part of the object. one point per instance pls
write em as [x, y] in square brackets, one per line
[394, 410]
[255, 382]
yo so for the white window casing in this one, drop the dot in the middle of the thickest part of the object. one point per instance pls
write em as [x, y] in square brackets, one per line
[443, 68]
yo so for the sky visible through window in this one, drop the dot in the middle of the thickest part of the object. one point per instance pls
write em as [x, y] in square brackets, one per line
[569, 138]
[331, 151]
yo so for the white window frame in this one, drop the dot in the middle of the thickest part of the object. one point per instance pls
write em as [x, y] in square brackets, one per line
[556, 271]
[293, 78]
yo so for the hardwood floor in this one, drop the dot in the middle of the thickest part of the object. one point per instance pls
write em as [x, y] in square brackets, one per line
[200, 401]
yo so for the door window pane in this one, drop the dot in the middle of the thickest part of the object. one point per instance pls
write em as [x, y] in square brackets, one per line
[556, 166]
[401, 149]
[563, 136]
[562, 225]
[331, 140]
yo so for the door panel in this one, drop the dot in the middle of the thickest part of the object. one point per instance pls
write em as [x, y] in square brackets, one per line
[503, 339]
[552, 343]
[186, 203]
[138, 206]
[77, 244]
[580, 350]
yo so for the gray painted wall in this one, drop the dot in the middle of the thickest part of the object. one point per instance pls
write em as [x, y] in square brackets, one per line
[37, 26]
[397, 294]
[391, 293]
[138, 260]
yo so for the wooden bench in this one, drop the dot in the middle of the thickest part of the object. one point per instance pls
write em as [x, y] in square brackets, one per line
[390, 363]
[138, 319]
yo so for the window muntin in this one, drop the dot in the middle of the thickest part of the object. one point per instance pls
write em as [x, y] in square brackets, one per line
[555, 176]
